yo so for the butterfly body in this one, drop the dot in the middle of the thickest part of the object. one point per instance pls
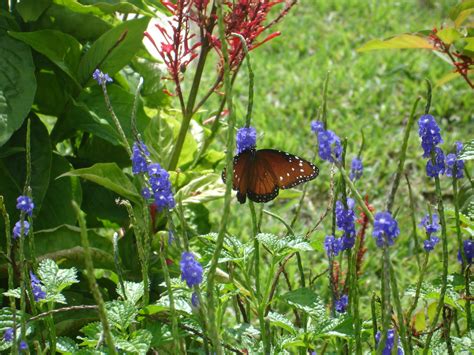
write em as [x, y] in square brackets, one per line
[260, 174]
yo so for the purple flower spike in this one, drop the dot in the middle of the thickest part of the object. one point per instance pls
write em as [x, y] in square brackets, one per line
[191, 269]
[333, 246]
[341, 304]
[8, 335]
[101, 78]
[433, 170]
[139, 154]
[17, 229]
[317, 126]
[246, 139]
[385, 229]
[356, 169]
[329, 146]
[429, 133]
[468, 251]
[25, 203]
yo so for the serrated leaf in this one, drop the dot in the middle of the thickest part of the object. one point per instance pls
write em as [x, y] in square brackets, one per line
[55, 280]
[306, 300]
[16, 292]
[467, 152]
[139, 342]
[17, 85]
[65, 345]
[110, 176]
[279, 245]
[397, 42]
[279, 320]
[133, 291]
[121, 314]
[6, 321]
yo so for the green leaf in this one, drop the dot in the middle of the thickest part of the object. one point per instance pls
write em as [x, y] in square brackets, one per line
[133, 291]
[17, 85]
[121, 314]
[65, 345]
[306, 300]
[397, 42]
[111, 177]
[114, 49]
[447, 78]
[106, 6]
[55, 279]
[139, 342]
[457, 10]
[278, 245]
[31, 10]
[6, 321]
[279, 320]
[448, 35]
[467, 152]
[62, 49]
[60, 193]
[202, 189]
[16, 292]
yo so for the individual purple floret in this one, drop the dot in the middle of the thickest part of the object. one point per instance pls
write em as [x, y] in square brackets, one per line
[468, 251]
[8, 335]
[385, 229]
[429, 133]
[139, 161]
[23, 345]
[246, 139]
[341, 304]
[433, 170]
[195, 299]
[389, 343]
[430, 243]
[329, 146]
[453, 163]
[333, 246]
[191, 269]
[25, 204]
[345, 221]
[317, 126]
[38, 293]
[17, 229]
[160, 183]
[430, 223]
[101, 78]
[356, 169]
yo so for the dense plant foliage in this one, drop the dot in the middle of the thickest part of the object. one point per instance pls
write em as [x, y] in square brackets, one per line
[121, 233]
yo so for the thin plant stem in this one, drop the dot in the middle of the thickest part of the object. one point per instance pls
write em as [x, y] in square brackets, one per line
[11, 284]
[92, 281]
[413, 221]
[386, 303]
[214, 334]
[118, 263]
[444, 277]
[401, 161]
[354, 297]
[373, 312]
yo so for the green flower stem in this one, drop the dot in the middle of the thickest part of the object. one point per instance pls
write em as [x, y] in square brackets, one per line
[399, 310]
[413, 221]
[464, 269]
[417, 293]
[116, 121]
[23, 276]
[11, 284]
[386, 303]
[373, 312]
[92, 281]
[401, 161]
[174, 317]
[214, 334]
[358, 197]
[444, 277]
[188, 112]
[354, 297]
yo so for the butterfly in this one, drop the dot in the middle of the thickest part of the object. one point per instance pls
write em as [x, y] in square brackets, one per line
[260, 174]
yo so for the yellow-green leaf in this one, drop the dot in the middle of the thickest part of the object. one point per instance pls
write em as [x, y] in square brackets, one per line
[448, 35]
[447, 78]
[397, 42]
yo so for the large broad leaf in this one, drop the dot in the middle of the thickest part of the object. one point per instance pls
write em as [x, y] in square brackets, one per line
[106, 7]
[13, 168]
[397, 42]
[306, 300]
[114, 49]
[110, 176]
[467, 152]
[31, 10]
[62, 49]
[17, 85]
[64, 19]
[59, 195]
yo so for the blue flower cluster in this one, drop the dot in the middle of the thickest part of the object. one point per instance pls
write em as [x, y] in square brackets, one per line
[158, 178]
[8, 337]
[341, 304]
[389, 343]
[191, 269]
[468, 251]
[345, 221]
[139, 160]
[436, 168]
[356, 169]
[38, 293]
[333, 246]
[455, 166]
[329, 144]
[25, 204]
[431, 226]
[101, 78]
[430, 134]
[17, 229]
[246, 139]
[385, 229]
